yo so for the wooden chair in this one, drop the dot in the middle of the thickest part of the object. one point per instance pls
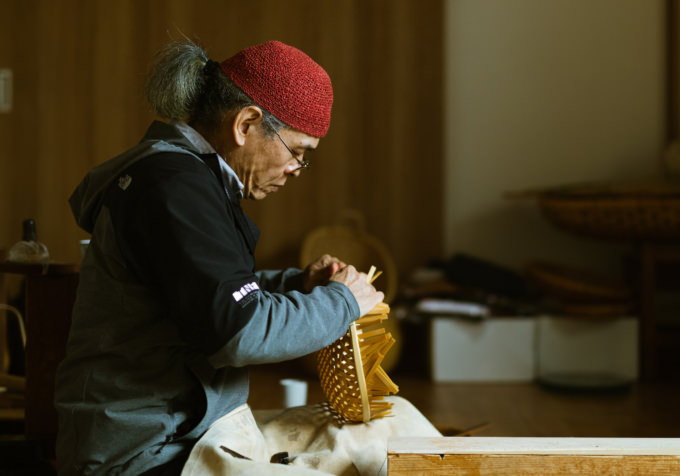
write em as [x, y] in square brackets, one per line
[12, 387]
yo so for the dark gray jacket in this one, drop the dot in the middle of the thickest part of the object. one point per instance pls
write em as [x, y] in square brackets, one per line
[170, 310]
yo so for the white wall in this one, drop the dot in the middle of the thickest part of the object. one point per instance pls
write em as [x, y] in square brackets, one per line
[541, 93]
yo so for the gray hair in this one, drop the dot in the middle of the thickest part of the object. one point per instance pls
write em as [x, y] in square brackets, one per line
[184, 84]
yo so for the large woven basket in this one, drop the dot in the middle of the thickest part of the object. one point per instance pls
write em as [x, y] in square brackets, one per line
[623, 211]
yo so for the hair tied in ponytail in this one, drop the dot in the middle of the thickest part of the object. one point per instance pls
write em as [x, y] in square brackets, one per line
[210, 67]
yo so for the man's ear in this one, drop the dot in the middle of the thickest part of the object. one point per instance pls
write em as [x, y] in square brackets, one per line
[244, 121]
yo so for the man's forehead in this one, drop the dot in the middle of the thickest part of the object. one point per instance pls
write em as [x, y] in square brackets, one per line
[302, 140]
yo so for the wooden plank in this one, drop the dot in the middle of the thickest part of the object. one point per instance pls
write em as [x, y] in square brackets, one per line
[514, 445]
[533, 456]
[511, 465]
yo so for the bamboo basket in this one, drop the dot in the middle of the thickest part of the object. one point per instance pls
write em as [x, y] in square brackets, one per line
[624, 211]
[350, 371]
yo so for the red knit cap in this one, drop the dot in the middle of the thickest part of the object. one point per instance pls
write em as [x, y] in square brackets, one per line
[286, 82]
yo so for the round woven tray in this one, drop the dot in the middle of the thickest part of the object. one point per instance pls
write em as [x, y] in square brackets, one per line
[628, 211]
[353, 246]
[576, 285]
[350, 243]
[603, 310]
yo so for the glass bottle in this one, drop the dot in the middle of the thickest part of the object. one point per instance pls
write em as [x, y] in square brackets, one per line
[29, 249]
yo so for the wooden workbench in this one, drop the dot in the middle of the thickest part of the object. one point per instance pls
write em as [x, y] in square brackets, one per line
[487, 456]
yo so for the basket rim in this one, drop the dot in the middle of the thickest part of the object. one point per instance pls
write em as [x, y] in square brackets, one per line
[621, 189]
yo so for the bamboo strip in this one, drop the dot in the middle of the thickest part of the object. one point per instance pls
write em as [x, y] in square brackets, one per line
[360, 375]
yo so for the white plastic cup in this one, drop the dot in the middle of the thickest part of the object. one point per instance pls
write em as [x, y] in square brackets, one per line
[83, 247]
[294, 392]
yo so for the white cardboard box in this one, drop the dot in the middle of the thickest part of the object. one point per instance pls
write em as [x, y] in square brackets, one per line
[571, 345]
[496, 349]
[518, 349]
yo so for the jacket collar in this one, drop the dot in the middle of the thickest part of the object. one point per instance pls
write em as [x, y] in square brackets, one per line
[182, 135]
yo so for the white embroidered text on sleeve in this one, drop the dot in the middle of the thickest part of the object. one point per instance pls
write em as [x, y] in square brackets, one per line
[245, 290]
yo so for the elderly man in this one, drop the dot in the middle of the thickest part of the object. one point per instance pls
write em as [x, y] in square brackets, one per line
[170, 309]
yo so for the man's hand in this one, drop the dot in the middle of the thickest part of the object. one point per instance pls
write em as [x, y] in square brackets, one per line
[366, 295]
[320, 271]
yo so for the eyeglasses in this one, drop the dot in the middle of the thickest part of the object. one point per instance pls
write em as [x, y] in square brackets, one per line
[302, 164]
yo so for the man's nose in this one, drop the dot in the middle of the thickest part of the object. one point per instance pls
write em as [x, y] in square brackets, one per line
[293, 170]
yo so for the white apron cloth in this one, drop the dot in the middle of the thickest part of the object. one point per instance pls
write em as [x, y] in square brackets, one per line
[317, 441]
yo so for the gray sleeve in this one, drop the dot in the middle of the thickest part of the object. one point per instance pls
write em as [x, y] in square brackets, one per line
[287, 326]
[280, 281]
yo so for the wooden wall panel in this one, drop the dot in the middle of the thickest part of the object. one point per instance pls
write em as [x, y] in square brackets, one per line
[6, 170]
[671, 46]
[79, 68]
